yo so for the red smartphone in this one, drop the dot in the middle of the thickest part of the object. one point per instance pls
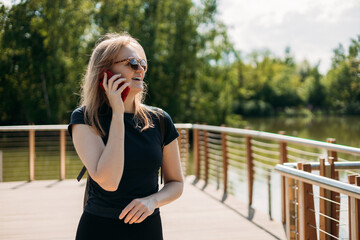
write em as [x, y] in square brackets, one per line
[109, 75]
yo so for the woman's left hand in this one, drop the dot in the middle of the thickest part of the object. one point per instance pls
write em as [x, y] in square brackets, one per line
[138, 209]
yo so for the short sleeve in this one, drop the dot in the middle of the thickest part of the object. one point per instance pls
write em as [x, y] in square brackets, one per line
[77, 117]
[170, 130]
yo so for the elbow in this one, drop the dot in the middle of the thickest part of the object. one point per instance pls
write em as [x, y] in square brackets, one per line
[108, 187]
[106, 183]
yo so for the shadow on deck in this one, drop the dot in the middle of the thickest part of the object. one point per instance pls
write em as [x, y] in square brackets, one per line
[51, 210]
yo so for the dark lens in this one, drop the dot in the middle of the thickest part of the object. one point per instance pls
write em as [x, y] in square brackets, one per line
[134, 63]
[143, 64]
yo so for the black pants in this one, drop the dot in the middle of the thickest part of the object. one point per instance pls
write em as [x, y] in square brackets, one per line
[101, 228]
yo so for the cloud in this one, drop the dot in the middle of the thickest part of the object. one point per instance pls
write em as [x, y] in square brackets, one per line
[311, 28]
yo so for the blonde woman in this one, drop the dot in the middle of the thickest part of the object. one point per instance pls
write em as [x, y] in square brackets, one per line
[120, 143]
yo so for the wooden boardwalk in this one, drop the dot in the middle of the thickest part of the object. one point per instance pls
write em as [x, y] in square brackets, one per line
[51, 209]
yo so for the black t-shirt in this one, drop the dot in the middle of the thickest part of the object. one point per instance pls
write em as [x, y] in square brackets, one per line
[143, 158]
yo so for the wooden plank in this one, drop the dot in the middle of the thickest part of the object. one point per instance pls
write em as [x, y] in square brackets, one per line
[42, 210]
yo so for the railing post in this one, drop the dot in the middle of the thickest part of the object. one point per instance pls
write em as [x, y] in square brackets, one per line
[335, 197]
[354, 211]
[283, 159]
[250, 168]
[1, 166]
[206, 155]
[225, 160]
[307, 223]
[290, 208]
[324, 206]
[62, 154]
[180, 147]
[269, 193]
[357, 213]
[332, 153]
[180, 141]
[187, 152]
[31, 155]
[196, 153]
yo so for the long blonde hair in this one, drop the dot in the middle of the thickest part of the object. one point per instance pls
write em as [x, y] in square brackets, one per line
[93, 97]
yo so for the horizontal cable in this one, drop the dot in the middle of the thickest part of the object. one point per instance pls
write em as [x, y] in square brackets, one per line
[215, 146]
[236, 145]
[324, 215]
[302, 152]
[275, 161]
[236, 151]
[235, 139]
[297, 159]
[236, 157]
[260, 164]
[327, 199]
[214, 135]
[265, 151]
[269, 145]
[216, 141]
[351, 172]
[323, 231]
[237, 164]
[215, 151]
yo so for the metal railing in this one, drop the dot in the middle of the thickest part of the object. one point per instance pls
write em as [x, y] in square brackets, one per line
[47, 152]
[219, 155]
[313, 215]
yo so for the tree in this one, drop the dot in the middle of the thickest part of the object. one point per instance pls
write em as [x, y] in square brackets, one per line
[343, 79]
[41, 46]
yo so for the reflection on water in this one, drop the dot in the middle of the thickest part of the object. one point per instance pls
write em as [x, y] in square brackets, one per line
[346, 130]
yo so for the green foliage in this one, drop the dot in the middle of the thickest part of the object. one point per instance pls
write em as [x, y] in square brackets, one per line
[343, 80]
[194, 71]
[41, 46]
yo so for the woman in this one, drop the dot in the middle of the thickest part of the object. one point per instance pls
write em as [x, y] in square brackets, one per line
[120, 143]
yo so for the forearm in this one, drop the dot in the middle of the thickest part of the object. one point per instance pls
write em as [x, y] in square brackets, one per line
[170, 192]
[110, 167]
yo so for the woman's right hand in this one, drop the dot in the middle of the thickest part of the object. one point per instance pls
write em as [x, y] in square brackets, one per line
[113, 92]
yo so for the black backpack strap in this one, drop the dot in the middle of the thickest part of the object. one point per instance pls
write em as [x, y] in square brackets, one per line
[162, 128]
[81, 173]
[86, 194]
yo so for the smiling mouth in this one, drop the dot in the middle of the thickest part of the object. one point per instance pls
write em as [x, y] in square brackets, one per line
[137, 78]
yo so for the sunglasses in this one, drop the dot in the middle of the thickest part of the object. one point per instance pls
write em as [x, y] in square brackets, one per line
[134, 63]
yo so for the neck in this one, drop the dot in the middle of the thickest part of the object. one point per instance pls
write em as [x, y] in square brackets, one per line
[129, 105]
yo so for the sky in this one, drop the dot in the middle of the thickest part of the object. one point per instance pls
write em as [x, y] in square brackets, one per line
[311, 28]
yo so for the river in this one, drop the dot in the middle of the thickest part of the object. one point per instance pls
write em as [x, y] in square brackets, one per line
[345, 129]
